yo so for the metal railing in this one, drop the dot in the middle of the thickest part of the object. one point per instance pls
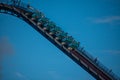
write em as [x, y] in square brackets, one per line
[98, 63]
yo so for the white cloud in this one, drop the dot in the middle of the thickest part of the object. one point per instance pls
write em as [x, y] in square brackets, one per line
[106, 19]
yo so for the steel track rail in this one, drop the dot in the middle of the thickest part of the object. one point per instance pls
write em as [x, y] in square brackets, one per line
[75, 55]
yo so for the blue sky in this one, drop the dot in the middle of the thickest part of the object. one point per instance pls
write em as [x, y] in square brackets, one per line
[95, 23]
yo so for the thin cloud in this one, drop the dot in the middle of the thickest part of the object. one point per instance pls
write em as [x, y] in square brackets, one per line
[18, 74]
[21, 76]
[107, 19]
[108, 51]
[54, 74]
[112, 51]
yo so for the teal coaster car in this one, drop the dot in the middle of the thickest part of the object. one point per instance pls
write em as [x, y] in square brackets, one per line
[49, 25]
[38, 16]
[60, 35]
[67, 40]
[55, 30]
[73, 45]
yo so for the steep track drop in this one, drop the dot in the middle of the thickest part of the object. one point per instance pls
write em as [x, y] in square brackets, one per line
[78, 55]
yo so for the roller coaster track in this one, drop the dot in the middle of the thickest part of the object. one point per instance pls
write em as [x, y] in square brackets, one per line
[92, 66]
